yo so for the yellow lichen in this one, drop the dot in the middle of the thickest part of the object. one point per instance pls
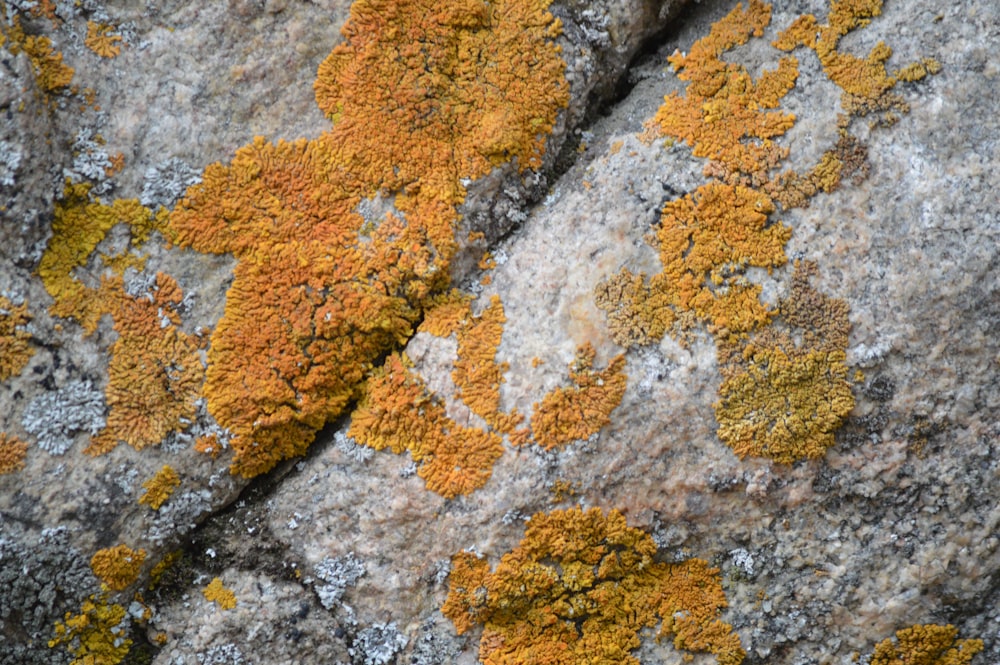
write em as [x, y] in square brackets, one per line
[51, 74]
[785, 392]
[160, 487]
[97, 635]
[79, 224]
[398, 412]
[423, 98]
[578, 412]
[217, 593]
[101, 40]
[15, 340]
[155, 373]
[784, 404]
[927, 644]
[579, 588]
[12, 453]
[118, 567]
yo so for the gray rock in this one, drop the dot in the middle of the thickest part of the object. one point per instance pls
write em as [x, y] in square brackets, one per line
[343, 556]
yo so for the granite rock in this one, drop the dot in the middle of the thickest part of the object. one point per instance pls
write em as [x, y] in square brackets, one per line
[343, 556]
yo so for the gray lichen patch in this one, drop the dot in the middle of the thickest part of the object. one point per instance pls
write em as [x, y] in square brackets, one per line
[40, 580]
[55, 418]
[337, 574]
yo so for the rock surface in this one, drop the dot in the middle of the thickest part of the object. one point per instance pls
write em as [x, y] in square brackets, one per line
[344, 555]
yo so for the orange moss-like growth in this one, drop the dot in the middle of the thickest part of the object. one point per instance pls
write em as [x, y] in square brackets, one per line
[477, 374]
[97, 635]
[926, 644]
[570, 414]
[579, 588]
[15, 341]
[705, 240]
[725, 115]
[102, 40]
[12, 453]
[118, 567]
[423, 97]
[398, 412]
[430, 91]
[160, 487]
[867, 85]
[216, 592]
[155, 373]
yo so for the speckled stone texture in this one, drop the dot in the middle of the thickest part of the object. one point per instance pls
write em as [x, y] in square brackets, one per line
[343, 556]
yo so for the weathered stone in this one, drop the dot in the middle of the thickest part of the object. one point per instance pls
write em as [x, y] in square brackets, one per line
[344, 555]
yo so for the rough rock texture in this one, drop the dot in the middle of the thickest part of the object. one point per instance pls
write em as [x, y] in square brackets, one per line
[344, 555]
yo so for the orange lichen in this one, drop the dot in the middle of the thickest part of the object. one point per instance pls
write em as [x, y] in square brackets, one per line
[155, 373]
[423, 98]
[848, 159]
[15, 340]
[398, 412]
[579, 588]
[570, 414]
[209, 445]
[927, 644]
[217, 593]
[637, 314]
[866, 84]
[477, 374]
[160, 487]
[725, 115]
[12, 453]
[785, 389]
[97, 635]
[446, 314]
[705, 241]
[118, 567]
[311, 306]
[426, 92]
[101, 40]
